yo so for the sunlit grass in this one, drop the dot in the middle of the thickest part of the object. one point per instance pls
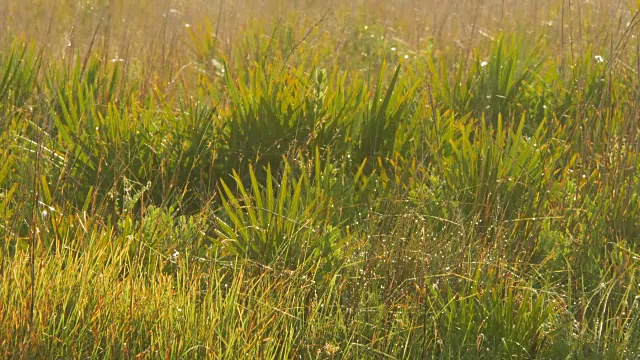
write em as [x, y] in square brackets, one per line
[352, 180]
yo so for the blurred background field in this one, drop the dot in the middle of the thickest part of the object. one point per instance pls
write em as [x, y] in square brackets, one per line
[320, 179]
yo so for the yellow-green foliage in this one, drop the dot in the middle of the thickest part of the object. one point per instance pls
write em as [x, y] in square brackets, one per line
[297, 179]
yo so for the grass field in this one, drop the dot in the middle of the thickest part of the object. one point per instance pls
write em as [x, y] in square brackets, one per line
[304, 179]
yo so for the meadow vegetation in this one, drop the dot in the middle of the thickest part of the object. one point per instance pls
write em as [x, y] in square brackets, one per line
[307, 179]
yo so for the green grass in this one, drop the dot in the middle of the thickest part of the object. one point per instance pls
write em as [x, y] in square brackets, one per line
[368, 181]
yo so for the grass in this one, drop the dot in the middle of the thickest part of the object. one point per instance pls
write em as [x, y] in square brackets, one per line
[379, 180]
